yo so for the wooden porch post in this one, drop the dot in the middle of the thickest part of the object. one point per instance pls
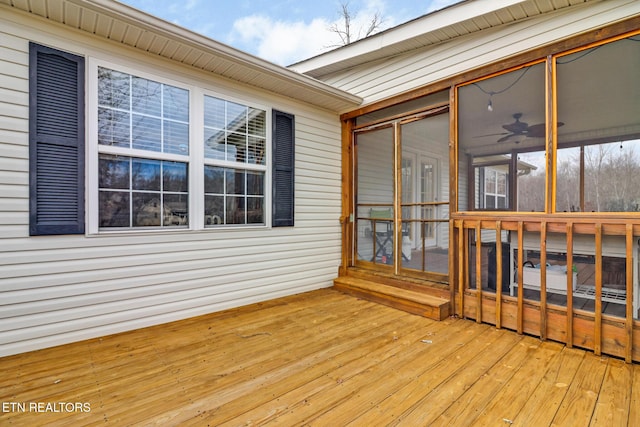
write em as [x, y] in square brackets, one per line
[629, 303]
[347, 217]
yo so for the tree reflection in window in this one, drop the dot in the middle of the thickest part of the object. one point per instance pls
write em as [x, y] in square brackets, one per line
[598, 161]
[136, 192]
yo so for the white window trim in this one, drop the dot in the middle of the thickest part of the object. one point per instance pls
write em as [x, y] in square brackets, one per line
[494, 175]
[195, 159]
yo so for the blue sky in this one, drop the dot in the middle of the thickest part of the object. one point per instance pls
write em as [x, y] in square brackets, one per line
[281, 31]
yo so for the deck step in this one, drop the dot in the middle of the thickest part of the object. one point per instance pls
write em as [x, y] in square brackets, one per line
[422, 304]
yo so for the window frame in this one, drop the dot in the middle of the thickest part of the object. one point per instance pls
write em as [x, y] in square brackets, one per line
[195, 159]
[246, 166]
[494, 179]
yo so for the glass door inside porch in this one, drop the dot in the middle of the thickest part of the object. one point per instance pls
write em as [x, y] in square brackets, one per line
[403, 165]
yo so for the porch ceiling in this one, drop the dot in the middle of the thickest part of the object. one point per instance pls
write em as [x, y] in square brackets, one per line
[320, 358]
[125, 25]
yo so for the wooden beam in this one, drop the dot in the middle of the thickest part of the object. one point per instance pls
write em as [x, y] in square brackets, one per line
[348, 214]
[552, 136]
[453, 154]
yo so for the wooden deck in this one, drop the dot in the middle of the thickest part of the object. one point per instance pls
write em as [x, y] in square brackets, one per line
[323, 359]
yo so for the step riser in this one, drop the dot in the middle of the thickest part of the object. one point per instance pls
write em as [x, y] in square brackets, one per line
[433, 308]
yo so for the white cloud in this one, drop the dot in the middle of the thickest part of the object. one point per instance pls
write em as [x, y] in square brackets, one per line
[285, 42]
[282, 42]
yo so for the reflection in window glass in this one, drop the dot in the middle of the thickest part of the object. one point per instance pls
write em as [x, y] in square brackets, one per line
[114, 128]
[234, 132]
[175, 103]
[146, 133]
[114, 88]
[598, 160]
[233, 196]
[145, 175]
[499, 118]
[175, 135]
[136, 192]
[147, 97]
[134, 112]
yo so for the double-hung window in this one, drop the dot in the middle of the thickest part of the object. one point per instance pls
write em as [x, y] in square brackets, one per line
[143, 146]
[235, 141]
[495, 189]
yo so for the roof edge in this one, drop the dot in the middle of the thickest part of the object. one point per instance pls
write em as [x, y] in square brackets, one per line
[317, 92]
[433, 21]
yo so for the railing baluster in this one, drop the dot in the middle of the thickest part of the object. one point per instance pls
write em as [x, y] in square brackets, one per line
[478, 272]
[452, 267]
[462, 258]
[593, 237]
[520, 315]
[498, 274]
[597, 336]
[629, 302]
[543, 280]
[569, 285]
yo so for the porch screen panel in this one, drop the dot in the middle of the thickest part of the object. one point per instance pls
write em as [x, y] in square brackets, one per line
[598, 161]
[425, 194]
[501, 142]
[374, 195]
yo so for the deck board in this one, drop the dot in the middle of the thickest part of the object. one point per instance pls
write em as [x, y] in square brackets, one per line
[321, 358]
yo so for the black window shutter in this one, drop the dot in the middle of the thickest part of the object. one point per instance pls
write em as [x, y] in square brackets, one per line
[283, 143]
[56, 142]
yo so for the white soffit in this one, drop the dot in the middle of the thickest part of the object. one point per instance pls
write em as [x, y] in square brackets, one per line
[463, 18]
[131, 27]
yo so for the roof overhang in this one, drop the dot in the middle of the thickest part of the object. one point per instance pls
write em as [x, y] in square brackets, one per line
[128, 26]
[446, 24]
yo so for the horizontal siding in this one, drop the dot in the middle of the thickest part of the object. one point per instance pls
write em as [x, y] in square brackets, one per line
[58, 289]
[382, 79]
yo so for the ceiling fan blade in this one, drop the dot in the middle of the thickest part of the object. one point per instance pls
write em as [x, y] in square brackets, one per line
[504, 138]
[536, 131]
[492, 134]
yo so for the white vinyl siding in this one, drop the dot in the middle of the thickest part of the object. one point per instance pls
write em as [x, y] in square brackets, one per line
[59, 289]
[422, 66]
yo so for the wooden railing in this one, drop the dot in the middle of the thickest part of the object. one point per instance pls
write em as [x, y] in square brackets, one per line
[556, 240]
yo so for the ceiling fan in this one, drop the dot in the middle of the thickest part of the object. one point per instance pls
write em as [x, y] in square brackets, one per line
[518, 128]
